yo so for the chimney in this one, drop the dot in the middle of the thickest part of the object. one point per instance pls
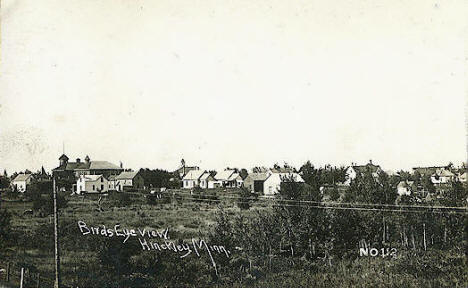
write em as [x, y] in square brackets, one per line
[121, 164]
[78, 160]
[370, 161]
[87, 159]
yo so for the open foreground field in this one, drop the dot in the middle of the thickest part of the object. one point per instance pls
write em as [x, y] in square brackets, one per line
[259, 252]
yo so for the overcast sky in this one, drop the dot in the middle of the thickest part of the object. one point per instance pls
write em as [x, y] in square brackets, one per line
[233, 83]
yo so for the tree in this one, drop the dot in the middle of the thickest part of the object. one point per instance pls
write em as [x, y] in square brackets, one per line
[457, 194]
[6, 235]
[4, 182]
[243, 173]
[244, 202]
[371, 188]
[157, 178]
[44, 205]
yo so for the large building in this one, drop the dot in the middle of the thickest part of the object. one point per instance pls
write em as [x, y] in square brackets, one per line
[68, 172]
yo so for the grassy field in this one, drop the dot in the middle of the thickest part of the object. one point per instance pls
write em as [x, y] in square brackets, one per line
[186, 218]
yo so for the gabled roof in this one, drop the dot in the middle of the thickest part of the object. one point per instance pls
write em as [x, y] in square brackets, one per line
[22, 177]
[444, 173]
[234, 176]
[285, 177]
[77, 166]
[193, 175]
[126, 175]
[92, 165]
[427, 170]
[224, 175]
[205, 176]
[368, 167]
[92, 177]
[63, 157]
[103, 165]
[258, 176]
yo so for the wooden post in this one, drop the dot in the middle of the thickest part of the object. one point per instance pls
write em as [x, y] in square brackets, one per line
[8, 272]
[22, 276]
[56, 238]
[424, 231]
[38, 280]
[383, 233]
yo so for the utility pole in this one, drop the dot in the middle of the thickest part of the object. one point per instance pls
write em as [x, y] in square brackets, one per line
[22, 277]
[56, 238]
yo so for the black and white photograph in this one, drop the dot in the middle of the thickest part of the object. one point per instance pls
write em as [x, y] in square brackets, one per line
[259, 143]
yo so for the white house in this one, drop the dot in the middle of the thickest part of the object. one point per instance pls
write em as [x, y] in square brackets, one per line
[229, 178]
[111, 183]
[442, 176]
[235, 180]
[272, 184]
[21, 182]
[353, 170]
[129, 179]
[92, 184]
[192, 179]
[208, 181]
[404, 188]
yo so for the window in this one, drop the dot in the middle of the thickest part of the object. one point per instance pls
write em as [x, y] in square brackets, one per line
[94, 187]
[102, 187]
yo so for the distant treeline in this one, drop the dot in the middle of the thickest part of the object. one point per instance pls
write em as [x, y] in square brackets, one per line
[157, 178]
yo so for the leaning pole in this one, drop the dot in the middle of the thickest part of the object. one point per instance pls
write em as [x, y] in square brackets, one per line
[56, 238]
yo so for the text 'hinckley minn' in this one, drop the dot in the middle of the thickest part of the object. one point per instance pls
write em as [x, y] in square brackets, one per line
[156, 240]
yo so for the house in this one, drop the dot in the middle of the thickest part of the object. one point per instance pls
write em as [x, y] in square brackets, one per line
[208, 181]
[184, 169]
[462, 177]
[236, 180]
[192, 179]
[229, 178]
[426, 171]
[129, 180]
[443, 176]
[354, 170]
[91, 184]
[68, 172]
[404, 188]
[21, 182]
[254, 181]
[112, 183]
[272, 184]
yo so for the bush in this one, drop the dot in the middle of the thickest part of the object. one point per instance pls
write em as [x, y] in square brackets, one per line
[120, 199]
[246, 198]
[43, 205]
[6, 237]
[158, 198]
